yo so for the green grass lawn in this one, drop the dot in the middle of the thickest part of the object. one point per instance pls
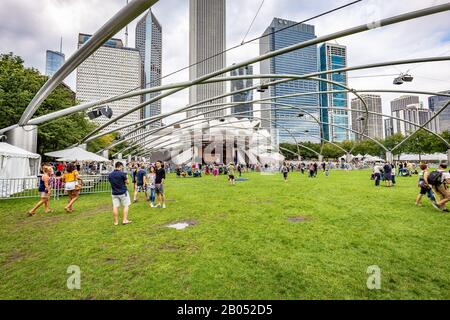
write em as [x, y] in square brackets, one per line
[242, 246]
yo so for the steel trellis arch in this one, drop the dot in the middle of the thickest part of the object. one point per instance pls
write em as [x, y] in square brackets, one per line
[347, 32]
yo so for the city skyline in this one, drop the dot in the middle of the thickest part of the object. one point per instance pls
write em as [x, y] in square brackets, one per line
[67, 19]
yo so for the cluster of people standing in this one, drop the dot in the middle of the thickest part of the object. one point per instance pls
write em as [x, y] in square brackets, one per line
[384, 172]
[147, 179]
[66, 177]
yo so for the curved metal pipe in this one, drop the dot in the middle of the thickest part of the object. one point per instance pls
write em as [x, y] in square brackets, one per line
[288, 107]
[340, 34]
[107, 31]
[193, 106]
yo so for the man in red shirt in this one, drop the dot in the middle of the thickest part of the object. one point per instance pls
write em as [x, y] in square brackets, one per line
[60, 167]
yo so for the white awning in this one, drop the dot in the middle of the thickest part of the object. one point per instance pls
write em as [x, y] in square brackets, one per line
[76, 154]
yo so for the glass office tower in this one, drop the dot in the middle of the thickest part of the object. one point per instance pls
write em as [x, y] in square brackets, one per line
[244, 110]
[149, 44]
[288, 122]
[436, 103]
[334, 107]
[54, 61]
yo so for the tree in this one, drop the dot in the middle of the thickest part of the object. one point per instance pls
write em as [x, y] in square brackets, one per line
[368, 147]
[394, 140]
[18, 85]
[421, 143]
[438, 145]
[331, 152]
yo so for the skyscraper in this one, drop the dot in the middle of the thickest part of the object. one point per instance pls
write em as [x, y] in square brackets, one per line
[375, 123]
[110, 71]
[414, 113]
[298, 62]
[207, 38]
[333, 56]
[436, 103]
[402, 102]
[54, 61]
[149, 44]
[398, 105]
[245, 110]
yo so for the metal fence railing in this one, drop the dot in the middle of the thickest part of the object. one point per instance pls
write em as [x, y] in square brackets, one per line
[20, 188]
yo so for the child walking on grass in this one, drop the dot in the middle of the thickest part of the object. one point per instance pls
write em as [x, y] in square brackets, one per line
[150, 182]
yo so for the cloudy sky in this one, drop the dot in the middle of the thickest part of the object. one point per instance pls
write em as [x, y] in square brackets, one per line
[30, 27]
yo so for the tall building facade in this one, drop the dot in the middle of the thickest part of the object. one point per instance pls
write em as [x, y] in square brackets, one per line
[298, 62]
[112, 70]
[402, 102]
[53, 62]
[375, 122]
[244, 110]
[436, 103]
[207, 38]
[414, 114]
[332, 57]
[149, 44]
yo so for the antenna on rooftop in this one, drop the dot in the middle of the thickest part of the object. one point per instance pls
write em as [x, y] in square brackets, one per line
[126, 33]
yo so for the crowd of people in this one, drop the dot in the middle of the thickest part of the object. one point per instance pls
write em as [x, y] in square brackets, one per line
[430, 183]
[148, 179]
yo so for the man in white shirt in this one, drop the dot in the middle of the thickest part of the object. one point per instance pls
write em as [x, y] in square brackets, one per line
[377, 170]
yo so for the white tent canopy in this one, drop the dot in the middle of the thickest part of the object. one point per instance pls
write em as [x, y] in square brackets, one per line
[423, 157]
[18, 169]
[17, 163]
[76, 154]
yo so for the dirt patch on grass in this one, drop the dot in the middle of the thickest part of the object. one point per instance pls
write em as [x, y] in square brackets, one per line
[110, 260]
[168, 247]
[44, 219]
[299, 219]
[175, 248]
[260, 201]
[13, 257]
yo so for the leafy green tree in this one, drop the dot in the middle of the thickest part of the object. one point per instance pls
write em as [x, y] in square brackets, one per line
[348, 145]
[330, 151]
[421, 143]
[18, 85]
[368, 147]
[394, 140]
[438, 145]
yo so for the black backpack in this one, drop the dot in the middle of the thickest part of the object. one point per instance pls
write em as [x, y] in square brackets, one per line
[435, 178]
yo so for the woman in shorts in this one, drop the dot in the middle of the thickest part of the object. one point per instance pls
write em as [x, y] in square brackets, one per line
[44, 191]
[72, 185]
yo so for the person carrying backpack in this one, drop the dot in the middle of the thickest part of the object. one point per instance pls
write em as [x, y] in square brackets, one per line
[285, 171]
[439, 180]
[425, 189]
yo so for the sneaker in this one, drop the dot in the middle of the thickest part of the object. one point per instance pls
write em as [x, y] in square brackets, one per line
[435, 205]
[164, 206]
[158, 206]
[152, 205]
[445, 210]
